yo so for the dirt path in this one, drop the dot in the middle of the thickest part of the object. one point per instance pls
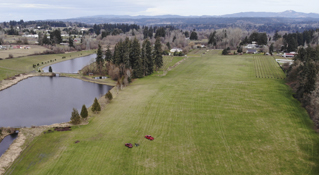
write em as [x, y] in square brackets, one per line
[175, 65]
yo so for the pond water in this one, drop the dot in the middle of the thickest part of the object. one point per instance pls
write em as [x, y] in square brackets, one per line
[46, 100]
[6, 142]
[71, 66]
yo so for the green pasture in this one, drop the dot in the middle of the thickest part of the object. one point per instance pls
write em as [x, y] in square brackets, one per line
[11, 67]
[209, 115]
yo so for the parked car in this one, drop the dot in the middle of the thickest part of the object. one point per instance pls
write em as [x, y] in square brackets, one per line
[129, 145]
[149, 137]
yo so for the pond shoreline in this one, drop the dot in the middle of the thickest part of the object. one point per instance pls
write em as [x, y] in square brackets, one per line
[16, 79]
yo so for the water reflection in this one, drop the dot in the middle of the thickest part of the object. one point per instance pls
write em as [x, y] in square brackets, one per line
[6, 142]
[71, 66]
[44, 101]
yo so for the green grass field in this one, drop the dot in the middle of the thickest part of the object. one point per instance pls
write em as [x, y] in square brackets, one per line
[209, 115]
[11, 67]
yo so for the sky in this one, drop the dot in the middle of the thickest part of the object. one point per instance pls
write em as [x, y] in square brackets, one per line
[64, 9]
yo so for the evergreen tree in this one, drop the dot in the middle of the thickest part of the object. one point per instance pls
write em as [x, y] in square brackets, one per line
[193, 36]
[56, 37]
[126, 54]
[75, 117]
[186, 34]
[96, 106]
[50, 69]
[149, 58]
[309, 85]
[158, 58]
[135, 52]
[168, 45]
[145, 32]
[276, 36]
[84, 112]
[150, 32]
[117, 55]
[139, 68]
[99, 59]
[212, 38]
[70, 41]
[45, 39]
[108, 54]
[160, 32]
[174, 38]
[144, 58]
[109, 96]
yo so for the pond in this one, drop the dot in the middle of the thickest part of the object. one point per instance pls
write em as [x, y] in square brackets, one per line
[71, 66]
[6, 142]
[46, 100]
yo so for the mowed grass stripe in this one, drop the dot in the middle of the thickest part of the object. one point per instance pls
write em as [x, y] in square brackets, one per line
[208, 116]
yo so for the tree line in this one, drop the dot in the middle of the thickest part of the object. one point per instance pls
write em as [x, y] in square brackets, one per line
[303, 77]
[110, 28]
[130, 59]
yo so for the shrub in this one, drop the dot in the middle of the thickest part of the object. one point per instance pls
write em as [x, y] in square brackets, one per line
[84, 112]
[225, 52]
[109, 95]
[75, 117]
[96, 106]
[10, 56]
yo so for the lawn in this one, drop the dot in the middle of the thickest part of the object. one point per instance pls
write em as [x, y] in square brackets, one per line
[11, 67]
[209, 115]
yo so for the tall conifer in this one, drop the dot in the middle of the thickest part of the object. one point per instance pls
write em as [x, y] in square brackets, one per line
[84, 112]
[158, 58]
[108, 54]
[149, 57]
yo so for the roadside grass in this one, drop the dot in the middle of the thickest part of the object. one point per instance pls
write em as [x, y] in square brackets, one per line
[209, 115]
[22, 52]
[24, 64]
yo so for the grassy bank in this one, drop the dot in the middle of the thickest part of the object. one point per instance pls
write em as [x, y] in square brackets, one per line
[209, 115]
[11, 67]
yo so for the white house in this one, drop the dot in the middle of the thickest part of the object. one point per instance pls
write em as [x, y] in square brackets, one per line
[175, 49]
[253, 45]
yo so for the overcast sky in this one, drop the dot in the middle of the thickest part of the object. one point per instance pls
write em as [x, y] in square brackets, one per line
[63, 9]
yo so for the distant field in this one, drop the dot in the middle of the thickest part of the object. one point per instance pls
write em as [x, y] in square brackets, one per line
[11, 67]
[22, 52]
[209, 115]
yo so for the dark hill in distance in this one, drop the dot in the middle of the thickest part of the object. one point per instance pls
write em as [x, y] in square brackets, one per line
[250, 17]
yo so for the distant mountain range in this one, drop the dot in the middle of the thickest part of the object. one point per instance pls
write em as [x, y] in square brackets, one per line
[285, 14]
